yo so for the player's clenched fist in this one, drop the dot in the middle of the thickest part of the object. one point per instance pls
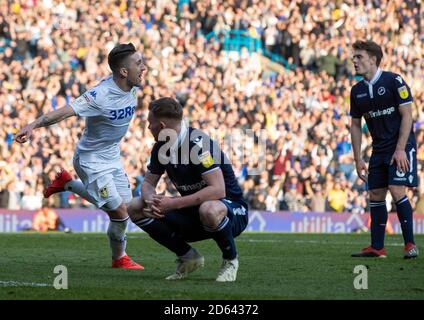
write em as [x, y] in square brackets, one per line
[24, 134]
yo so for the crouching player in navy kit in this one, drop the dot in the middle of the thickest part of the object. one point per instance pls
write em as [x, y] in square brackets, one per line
[385, 101]
[211, 205]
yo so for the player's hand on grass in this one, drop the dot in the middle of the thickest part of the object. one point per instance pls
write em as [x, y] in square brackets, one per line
[402, 163]
[24, 134]
[362, 169]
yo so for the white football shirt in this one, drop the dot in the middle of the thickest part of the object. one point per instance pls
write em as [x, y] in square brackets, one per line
[108, 111]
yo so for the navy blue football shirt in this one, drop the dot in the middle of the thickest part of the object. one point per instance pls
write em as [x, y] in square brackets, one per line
[378, 102]
[195, 155]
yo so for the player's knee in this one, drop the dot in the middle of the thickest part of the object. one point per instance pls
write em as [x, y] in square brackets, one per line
[378, 194]
[131, 212]
[116, 212]
[135, 209]
[210, 212]
[135, 214]
[206, 209]
[397, 192]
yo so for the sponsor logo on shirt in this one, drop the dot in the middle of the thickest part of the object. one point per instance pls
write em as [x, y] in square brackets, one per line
[379, 113]
[191, 187]
[362, 95]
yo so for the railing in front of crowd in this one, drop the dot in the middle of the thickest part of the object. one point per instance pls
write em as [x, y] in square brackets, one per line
[235, 40]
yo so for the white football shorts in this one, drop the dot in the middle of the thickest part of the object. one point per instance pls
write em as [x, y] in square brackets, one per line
[106, 183]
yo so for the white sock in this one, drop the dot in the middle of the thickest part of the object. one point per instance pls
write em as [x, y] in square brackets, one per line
[76, 186]
[117, 237]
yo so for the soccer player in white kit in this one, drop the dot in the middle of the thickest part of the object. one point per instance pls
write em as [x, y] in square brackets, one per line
[108, 109]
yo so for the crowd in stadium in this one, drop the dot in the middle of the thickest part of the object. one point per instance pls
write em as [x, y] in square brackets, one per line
[52, 51]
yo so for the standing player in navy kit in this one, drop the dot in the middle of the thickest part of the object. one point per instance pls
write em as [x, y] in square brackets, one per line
[385, 101]
[211, 205]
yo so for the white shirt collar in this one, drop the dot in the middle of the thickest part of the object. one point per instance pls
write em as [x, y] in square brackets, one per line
[180, 138]
[375, 78]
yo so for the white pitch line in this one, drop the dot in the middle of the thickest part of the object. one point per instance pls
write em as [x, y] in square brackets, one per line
[314, 242]
[343, 243]
[12, 283]
[257, 240]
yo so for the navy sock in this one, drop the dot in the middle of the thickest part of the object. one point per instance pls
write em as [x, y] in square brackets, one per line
[223, 236]
[162, 233]
[405, 215]
[378, 211]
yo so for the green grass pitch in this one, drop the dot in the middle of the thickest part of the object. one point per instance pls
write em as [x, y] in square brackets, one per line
[273, 266]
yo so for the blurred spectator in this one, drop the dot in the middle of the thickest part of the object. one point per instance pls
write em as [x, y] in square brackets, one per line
[32, 198]
[293, 200]
[137, 189]
[419, 209]
[271, 200]
[48, 220]
[258, 201]
[357, 204]
[318, 199]
[337, 197]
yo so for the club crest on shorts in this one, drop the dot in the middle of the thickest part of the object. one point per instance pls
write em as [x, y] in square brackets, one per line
[403, 92]
[104, 192]
[400, 173]
[206, 159]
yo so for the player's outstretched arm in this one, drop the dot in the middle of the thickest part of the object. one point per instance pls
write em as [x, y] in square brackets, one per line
[44, 121]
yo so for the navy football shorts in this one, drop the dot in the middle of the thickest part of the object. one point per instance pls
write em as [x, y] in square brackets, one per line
[186, 221]
[381, 174]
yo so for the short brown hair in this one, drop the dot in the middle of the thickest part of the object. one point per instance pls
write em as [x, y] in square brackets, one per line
[166, 107]
[371, 47]
[118, 55]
